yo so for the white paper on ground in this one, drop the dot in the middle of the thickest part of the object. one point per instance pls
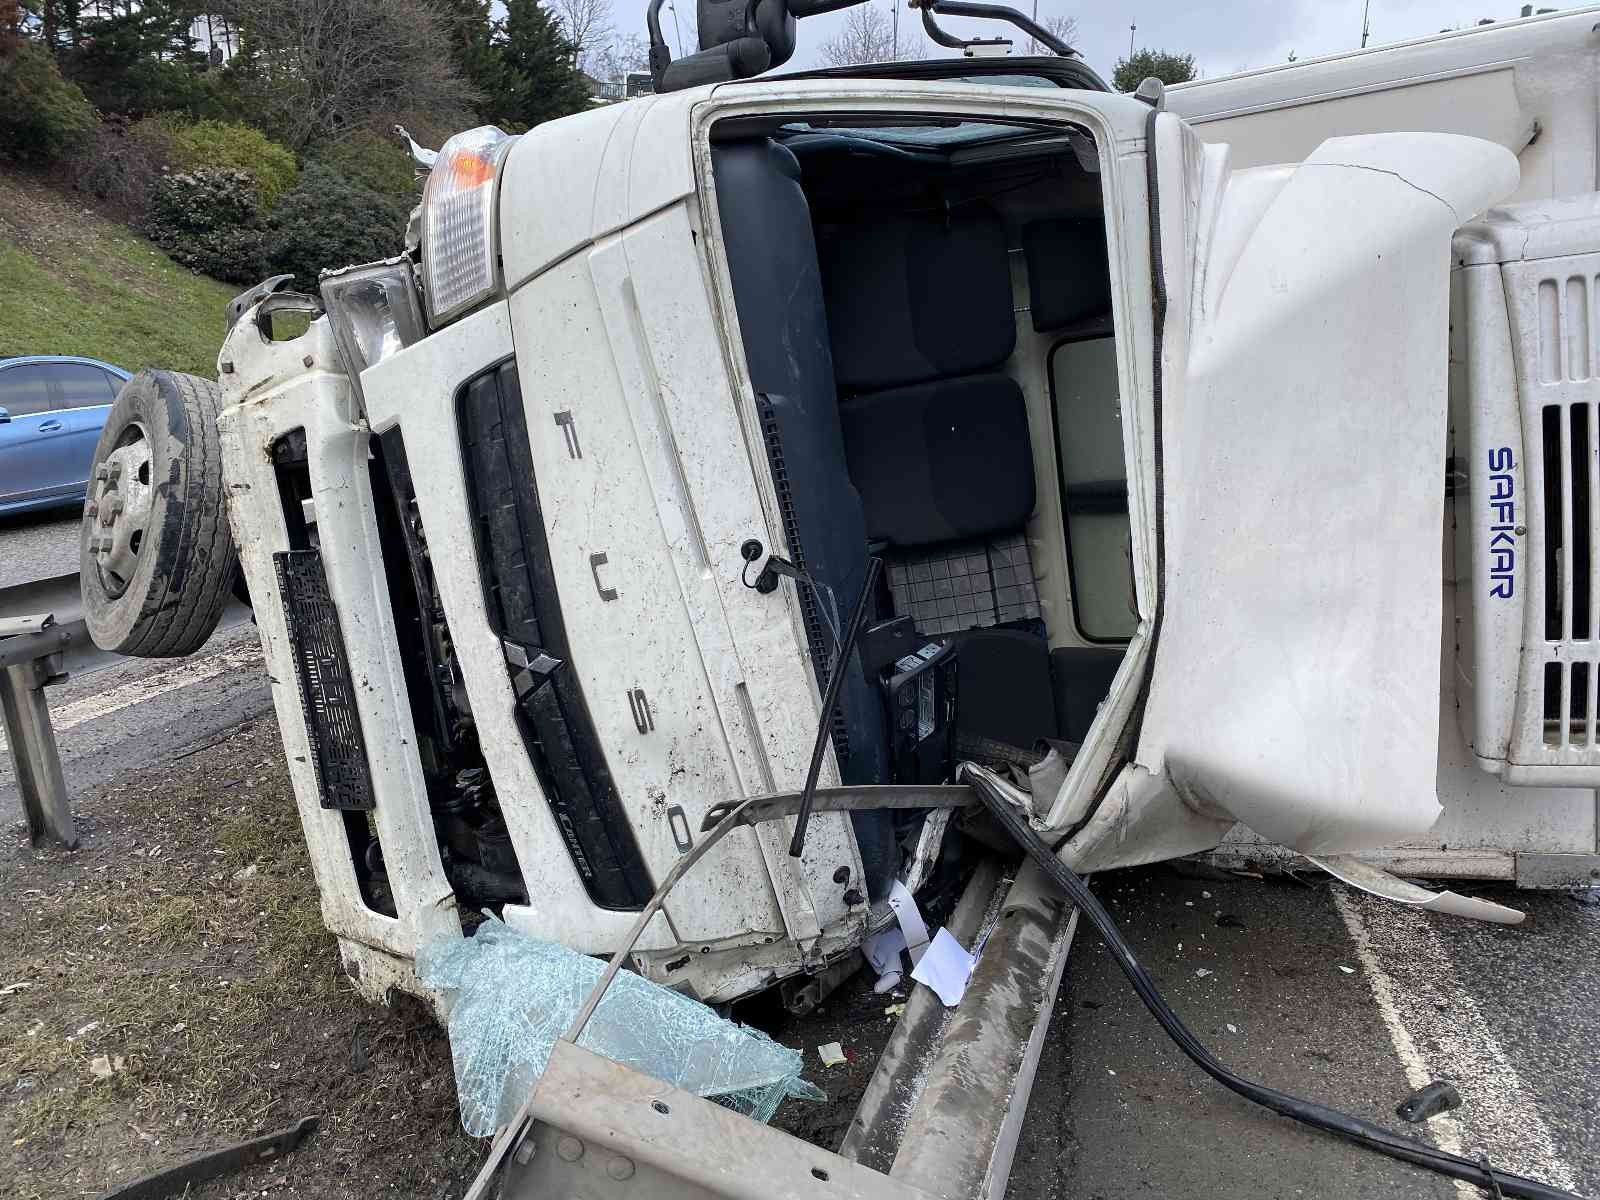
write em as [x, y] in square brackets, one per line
[883, 948]
[910, 918]
[945, 968]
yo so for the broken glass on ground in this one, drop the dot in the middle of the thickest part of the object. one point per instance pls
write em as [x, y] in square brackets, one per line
[512, 997]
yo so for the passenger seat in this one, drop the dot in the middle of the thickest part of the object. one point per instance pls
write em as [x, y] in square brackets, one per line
[921, 320]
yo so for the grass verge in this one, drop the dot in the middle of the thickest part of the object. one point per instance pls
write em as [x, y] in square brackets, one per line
[74, 282]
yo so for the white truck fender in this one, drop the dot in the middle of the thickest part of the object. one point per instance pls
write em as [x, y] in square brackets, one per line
[1296, 681]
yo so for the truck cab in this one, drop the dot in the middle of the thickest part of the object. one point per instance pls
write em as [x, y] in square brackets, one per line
[951, 429]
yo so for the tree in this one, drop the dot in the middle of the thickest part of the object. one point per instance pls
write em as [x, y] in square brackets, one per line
[319, 69]
[543, 81]
[619, 56]
[868, 36]
[1129, 73]
[1065, 29]
[475, 50]
[587, 24]
[138, 61]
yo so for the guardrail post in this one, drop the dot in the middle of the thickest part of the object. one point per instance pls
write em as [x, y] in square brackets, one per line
[33, 748]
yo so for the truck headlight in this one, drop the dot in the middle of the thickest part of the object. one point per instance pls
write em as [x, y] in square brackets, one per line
[374, 312]
[459, 250]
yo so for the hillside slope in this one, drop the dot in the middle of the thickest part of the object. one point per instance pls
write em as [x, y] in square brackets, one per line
[73, 282]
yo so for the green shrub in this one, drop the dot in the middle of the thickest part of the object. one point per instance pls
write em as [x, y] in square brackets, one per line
[330, 221]
[211, 222]
[227, 146]
[376, 163]
[42, 116]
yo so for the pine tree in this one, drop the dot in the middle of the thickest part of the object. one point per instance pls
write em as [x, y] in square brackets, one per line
[476, 54]
[544, 80]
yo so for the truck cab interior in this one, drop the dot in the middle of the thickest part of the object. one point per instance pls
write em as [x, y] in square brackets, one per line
[925, 308]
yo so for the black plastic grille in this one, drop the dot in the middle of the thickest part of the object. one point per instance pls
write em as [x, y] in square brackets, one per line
[338, 751]
[810, 613]
[525, 610]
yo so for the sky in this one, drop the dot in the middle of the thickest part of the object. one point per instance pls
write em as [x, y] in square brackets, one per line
[1224, 35]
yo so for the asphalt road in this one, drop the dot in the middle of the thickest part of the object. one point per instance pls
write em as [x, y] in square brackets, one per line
[38, 546]
[134, 712]
[1331, 995]
[118, 714]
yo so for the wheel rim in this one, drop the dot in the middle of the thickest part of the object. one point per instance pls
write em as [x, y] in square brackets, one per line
[121, 497]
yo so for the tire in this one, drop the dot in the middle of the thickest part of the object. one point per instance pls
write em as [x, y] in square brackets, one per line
[155, 556]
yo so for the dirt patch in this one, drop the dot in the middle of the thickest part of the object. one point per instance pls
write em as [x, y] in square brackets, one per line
[860, 1021]
[178, 992]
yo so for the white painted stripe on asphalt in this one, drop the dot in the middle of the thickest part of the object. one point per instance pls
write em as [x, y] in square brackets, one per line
[1444, 1130]
[195, 669]
[1438, 1031]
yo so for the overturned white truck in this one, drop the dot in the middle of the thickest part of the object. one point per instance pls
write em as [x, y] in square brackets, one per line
[980, 445]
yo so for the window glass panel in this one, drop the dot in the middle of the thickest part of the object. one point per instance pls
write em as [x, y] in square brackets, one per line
[22, 391]
[1094, 482]
[78, 385]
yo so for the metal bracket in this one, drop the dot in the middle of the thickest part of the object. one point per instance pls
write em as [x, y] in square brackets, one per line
[842, 799]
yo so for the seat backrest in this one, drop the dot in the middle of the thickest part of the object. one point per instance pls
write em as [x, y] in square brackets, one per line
[914, 297]
[920, 314]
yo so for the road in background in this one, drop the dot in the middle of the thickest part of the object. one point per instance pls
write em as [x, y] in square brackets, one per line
[38, 546]
[115, 714]
[132, 712]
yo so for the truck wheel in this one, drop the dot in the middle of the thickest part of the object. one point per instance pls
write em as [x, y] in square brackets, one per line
[155, 556]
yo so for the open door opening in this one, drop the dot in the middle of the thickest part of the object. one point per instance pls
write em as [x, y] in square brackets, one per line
[926, 313]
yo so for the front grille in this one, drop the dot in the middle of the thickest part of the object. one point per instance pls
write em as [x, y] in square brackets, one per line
[525, 610]
[1568, 517]
[810, 612]
[338, 751]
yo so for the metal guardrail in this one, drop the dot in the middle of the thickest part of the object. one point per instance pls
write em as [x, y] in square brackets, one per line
[34, 648]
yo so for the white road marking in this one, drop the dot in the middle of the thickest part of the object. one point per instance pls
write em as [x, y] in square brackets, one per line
[195, 669]
[1439, 1032]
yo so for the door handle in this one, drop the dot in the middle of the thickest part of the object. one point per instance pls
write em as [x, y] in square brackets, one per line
[49, 426]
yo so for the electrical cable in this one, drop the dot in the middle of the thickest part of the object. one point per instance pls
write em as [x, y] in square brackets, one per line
[830, 697]
[1363, 1132]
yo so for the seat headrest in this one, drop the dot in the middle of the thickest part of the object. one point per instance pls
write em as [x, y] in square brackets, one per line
[913, 297]
[1069, 279]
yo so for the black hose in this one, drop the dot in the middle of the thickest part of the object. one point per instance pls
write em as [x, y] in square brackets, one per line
[830, 697]
[1356, 1129]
